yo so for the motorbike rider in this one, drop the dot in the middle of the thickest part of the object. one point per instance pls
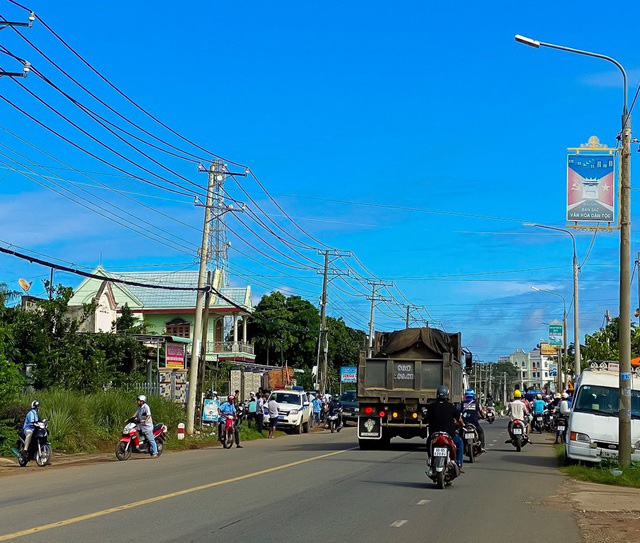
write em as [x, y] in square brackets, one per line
[29, 425]
[145, 424]
[335, 408]
[472, 412]
[228, 409]
[441, 417]
[518, 410]
[490, 403]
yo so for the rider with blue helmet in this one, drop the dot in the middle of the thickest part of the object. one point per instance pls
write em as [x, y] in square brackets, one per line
[472, 412]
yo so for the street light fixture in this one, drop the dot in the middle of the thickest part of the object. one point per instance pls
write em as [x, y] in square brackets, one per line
[576, 312]
[564, 329]
[624, 341]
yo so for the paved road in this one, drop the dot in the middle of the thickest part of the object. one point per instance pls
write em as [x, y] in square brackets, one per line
[313, 487]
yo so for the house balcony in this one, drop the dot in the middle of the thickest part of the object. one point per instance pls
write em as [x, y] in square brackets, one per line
[229, 347]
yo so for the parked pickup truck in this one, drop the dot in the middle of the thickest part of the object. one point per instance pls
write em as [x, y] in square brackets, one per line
[400, 380]
[350, 406]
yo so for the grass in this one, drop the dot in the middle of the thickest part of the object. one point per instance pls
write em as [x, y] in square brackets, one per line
[89, 423]
[603, 473]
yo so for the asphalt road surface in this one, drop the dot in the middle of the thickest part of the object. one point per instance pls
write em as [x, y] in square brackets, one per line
[307, 488]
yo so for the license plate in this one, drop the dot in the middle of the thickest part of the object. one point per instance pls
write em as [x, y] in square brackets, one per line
[517, 431]
[469, 436]
[539, 418]
[608, 454]
[560, 428]
[440, 451]
[281, 417]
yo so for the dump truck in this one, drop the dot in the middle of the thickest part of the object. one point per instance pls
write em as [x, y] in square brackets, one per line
[400, 380]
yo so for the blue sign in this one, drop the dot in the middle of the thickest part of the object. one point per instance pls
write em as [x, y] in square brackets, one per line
[210, 410]
[348, 374]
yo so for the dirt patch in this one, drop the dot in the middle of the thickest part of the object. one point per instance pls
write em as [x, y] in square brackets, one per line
[604, 513]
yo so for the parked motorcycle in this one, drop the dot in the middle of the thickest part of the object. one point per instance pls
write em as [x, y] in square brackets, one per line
[518, 434]
[561, 428]
[491, 415]
[472, 444]
[241, 412]
[333, 421]
[132, 441]
[227, 433]
[442, 468]
[39, 447]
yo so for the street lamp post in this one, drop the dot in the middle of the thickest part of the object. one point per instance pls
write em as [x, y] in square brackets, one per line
[576, 311]
[624, 413]
[564, 332]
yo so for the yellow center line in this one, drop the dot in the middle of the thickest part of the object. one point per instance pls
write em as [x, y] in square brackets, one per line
[104, 512]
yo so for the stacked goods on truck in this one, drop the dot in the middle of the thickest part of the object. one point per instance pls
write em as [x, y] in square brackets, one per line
[400, 380]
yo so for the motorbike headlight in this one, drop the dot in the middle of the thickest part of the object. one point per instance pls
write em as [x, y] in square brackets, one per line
[293, 412]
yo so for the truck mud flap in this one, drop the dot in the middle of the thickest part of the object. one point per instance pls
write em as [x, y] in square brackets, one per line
[369, 427]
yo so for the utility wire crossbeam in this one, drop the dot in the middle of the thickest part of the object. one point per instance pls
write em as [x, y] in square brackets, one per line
[375, 298]
[26, 66]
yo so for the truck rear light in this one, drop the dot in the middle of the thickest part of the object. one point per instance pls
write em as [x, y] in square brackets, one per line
[368, 410]
[382, 414]
[394, 415]
[415, 415]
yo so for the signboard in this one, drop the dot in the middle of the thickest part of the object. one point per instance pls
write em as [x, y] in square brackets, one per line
[348, 374]
[553, 370]
[548, 350]
[590, 187]
[555, 334]
[174, 356]
[210, 410]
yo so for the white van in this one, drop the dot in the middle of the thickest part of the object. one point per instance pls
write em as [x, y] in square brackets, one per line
[592, 433]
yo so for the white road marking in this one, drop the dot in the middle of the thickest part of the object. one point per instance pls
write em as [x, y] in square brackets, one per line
[398, 523]
[423, 502]
[491, 444]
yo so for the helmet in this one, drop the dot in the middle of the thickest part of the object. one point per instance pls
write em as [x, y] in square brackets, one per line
[517, 394]
[557, 396]
[470, 393]
[35, 404]
[231, 398]
[214, 392]
[538, 396]
[564, 395]
[442, 393]
[142, 398]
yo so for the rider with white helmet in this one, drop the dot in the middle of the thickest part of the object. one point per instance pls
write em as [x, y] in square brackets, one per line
[145, 424]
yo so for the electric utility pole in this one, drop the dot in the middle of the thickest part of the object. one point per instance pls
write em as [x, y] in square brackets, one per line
[409, 308]
[375, 297]
[323, 338]
[214, 170]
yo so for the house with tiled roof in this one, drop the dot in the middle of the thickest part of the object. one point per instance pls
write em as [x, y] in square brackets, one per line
[172, 312]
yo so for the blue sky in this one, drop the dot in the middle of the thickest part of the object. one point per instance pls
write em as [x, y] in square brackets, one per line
[419, 136]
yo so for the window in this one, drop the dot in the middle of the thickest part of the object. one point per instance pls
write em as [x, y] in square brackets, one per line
[178, 328]
[601, 400]
[287, 397]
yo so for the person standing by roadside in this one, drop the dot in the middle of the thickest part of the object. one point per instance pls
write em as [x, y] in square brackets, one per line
[273, 417]
[259, 411]
[317, 410]
[145, 424]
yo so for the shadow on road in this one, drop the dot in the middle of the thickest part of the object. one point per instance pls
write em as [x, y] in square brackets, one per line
[339, 445]
[421, 485]
[538, 461]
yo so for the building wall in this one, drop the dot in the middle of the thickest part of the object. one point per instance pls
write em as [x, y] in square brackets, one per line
[156, 323]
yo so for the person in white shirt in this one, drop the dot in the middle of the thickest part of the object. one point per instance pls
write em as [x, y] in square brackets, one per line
[518, 410]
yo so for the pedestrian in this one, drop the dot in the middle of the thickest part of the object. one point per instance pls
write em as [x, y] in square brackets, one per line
[273, 416]
[252, 409]
[317, 409]
[145, 424]
[259, 411]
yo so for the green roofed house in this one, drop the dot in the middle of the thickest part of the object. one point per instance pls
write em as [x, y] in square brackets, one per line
[172, 313]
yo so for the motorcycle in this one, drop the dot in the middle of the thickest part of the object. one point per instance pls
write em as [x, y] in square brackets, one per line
[227, 433]
[538, 422]
[491, 415]
[333, 421]
[518, 434]
[39, 447]
[561, 428]
[549, 420]
[241, 412]
[442, 468]
[133, 442]
[472, 444]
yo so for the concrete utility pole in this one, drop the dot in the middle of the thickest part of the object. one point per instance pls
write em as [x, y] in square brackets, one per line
[197, 327]
[203, 350]
[637, 312]
[504, 388]
[323, 340]
[374, 298]
[408, 316]
[323, 337]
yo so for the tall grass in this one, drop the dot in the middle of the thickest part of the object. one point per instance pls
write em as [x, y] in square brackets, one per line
[88, 422]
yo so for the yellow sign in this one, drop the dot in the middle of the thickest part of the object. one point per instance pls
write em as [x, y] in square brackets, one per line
[548, 350]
